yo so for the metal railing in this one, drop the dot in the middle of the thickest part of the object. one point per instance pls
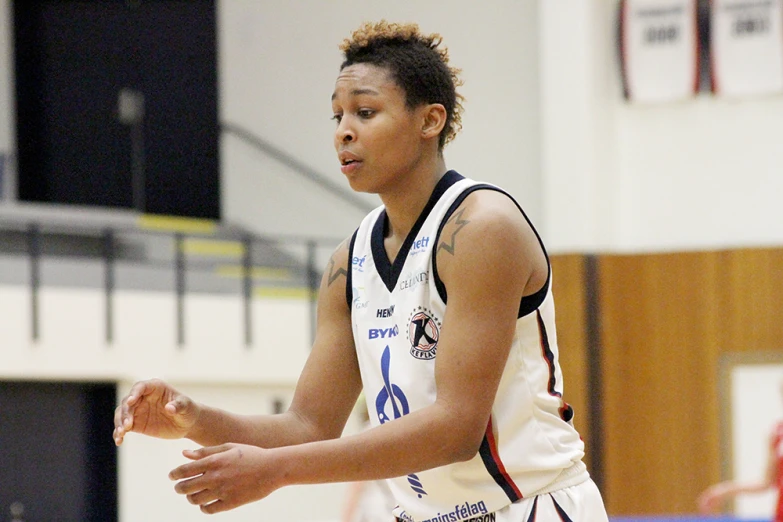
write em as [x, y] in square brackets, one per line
[295, 165]
[163, 255]
[108, 243]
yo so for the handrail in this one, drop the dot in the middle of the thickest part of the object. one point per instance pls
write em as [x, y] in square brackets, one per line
[34, 234]
[286, 159]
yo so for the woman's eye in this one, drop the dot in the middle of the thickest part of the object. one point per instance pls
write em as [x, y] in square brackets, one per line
[337, 117]
[365, 113]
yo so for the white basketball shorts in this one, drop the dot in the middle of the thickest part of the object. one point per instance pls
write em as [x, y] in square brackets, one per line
[579, 503]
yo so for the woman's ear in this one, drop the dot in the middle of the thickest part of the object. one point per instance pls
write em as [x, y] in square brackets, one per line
[434, 120]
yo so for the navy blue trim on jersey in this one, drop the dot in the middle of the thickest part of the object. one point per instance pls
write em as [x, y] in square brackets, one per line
[563, 515]
[349, 277]
[528, 303]
[390, 272]
[532, 516]
[566, 411]
[493, 464]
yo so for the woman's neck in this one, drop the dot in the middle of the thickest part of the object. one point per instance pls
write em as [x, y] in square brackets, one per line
[404, 206]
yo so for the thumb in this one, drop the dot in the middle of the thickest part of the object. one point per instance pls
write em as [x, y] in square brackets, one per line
[177, 406]
[200, 453]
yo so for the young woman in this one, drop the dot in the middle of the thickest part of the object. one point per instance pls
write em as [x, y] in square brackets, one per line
[439, 307]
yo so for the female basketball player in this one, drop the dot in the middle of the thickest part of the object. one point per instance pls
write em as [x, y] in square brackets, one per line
[439, 306]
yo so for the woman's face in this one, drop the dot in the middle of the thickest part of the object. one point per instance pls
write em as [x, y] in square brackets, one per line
[378, 138]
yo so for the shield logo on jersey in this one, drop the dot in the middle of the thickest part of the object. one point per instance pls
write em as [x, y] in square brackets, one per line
[423, 334]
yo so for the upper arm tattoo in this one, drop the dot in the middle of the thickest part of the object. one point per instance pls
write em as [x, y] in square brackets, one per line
[334, 270]
[334, 274]
[456, 222]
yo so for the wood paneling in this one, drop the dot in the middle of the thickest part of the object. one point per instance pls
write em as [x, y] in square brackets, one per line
[666, 320]
[750, 291]
[568, 286]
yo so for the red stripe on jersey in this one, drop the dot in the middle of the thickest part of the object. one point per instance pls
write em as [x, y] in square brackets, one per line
[565, 410]
[493, 450]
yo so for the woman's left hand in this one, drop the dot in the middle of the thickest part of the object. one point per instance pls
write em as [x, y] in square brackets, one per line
[224, 477]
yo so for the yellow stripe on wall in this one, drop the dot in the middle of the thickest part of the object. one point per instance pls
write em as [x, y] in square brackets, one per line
[213, 247]
[284, 293]
[176, 224]
[256, 272]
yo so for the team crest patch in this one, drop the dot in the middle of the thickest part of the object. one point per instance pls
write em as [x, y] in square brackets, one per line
[423, 333]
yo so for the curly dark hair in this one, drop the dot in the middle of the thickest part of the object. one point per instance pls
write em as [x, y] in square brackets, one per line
[417, 64]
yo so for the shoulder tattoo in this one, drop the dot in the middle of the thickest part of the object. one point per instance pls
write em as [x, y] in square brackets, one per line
[335, 271]
[455, 223]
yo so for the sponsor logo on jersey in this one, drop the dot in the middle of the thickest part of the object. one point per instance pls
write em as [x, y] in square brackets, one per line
[359, 301]
[358, 263]
[419, 246]
[384, 333]
[423, 333]
[392, 395]
[413, 280]
[467, 512]
[385, 312]
[406, 517]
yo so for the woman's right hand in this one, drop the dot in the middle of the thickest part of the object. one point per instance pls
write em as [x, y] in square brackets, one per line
[156, 409]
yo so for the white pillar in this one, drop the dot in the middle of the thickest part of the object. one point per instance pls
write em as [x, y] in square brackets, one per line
[577, 57]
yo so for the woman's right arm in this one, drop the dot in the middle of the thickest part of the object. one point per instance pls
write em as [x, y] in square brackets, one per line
[324, 398]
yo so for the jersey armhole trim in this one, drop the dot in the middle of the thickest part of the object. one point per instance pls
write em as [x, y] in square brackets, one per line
[349, 277]
[528, 303]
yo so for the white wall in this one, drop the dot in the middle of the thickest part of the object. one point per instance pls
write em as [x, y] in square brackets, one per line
[701, 174]
[755, 406]
[213, 366]
[278, 63]
[544, 118]
[146, 493]
[71, 341]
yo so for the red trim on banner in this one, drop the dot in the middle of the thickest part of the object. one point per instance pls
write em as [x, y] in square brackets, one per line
[713, 68]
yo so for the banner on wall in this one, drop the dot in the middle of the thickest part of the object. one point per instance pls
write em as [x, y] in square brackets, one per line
[746, 40]
[659, 49]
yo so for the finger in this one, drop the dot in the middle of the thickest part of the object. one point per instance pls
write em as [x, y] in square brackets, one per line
[119, 437]
[117, 417]
[189, 470]
[137, 391]
[217, 506]
[192, 485]
[128, 404]
[206, 451]
[118, 432]
[205, 496]
[178, 405]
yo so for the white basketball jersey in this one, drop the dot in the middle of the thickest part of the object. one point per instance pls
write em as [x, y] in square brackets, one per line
[530, 445]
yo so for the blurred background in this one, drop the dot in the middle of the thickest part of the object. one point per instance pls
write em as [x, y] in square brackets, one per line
[169, 195]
